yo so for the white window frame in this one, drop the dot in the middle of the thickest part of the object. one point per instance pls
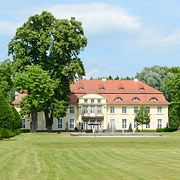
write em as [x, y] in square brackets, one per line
[85, 124]
[148, 126]
[124, 109]
[159, 109]
[60, 123]
[92, 101]
[159, 123]
[99, 101]
[92, 126]
[99, 109]
[92, 109]
[85, 109]
[112, 109]
[135, 124]
[148, 110]
[124, 123]
[71, 124]
[136, 109]
[71, 109]
[23, 123]
[85, 101]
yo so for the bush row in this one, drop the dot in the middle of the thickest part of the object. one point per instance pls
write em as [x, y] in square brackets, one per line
[8, 133]
[165, 129]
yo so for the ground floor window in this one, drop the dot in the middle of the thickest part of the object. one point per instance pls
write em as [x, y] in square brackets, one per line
[23, 123]
[99, 124]
[71, 124]
[85, 124]
[45, 124]
[159, 123]
[135, 124]
[60, 123]
[92, 122]
[148, 126]
[124, 123]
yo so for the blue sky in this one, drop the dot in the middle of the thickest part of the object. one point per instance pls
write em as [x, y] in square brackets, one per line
[123, 36]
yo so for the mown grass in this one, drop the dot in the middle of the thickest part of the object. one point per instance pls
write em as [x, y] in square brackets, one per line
[53, 156]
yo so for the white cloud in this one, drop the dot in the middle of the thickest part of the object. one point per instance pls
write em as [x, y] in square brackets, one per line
[97, 17]
[89, 74]
[7, 27]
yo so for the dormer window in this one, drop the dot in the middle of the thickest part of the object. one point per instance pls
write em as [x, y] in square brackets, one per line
[81, 88]
[153, 99]
[135, 99]
[118, 99]
[141, 89]
[101, 88]
[121, 89]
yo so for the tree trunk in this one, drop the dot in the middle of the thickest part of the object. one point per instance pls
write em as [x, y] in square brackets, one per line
[34, 119]
[49, 119]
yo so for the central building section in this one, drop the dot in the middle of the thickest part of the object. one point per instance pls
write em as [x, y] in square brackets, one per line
[92, 111]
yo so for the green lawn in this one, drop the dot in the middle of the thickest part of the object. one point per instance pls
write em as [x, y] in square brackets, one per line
[52, 156]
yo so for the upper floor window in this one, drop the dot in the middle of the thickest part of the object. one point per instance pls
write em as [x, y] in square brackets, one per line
[124, 109]
[101, 88]
[121, 89]
[153, 99]
[92, 110]
[85, 101]
[141, 89]
[81, 88]
[99, 109]
[118, 99]
[159, 109]
[112, 109]
[135, 99]
[71, 109]
[148, 109]
[136, 110]
[99, 101]
[85, 109]
[92, 101]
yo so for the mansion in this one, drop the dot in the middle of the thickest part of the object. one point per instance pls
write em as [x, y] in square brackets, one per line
[104, 104]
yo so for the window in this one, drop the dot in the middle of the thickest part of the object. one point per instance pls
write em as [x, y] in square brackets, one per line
[92, 109]
[92, 122]
[123, 123]
[159, 109]
[135, 110]
[45, 124]
[99, 124]
[99, 109]
[135, 99]
[118, 99]
[85, 109]
[59, 123]
[112, 109]
[71, 110]
[135, 124]
[81, 88]
[124, 109]
[23, 123]
[121, 89]
[159, 123]
[71, 124]
[153, 99]
[99, 101]
[148, 126]
[101, 88]
[148, 109]
[141, 89]
[85, 124]
[85, 101]
[92, 101]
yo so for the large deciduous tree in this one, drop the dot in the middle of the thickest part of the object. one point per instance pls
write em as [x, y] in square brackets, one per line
[142, 117]
[39, 87]
[173, 83]
[55, 45]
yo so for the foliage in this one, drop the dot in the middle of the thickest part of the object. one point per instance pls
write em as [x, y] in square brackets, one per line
[173, 83]
[6, 114]
[39, 86]
[166, 129]
[142, 117]
[6, 77]
[17, 124]
[25, 130]
[55, 45]
[155, 77]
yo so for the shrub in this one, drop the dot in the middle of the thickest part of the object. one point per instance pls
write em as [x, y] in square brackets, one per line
[6, 133]
[6, 115]
[25, 130]
[165, 129]
[17, 123]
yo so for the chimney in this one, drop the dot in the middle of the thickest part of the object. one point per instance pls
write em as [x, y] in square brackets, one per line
[135, 80]
[103, 80]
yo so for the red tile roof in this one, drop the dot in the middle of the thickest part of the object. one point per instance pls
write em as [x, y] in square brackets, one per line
[111, 89]
[125, 89]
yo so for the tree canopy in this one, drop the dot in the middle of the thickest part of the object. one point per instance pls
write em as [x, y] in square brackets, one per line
[55, 45]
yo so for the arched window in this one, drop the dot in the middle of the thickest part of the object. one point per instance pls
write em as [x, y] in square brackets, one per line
[141, 89]
[81, 88]
[101, 88]
[135, 99]
[153, 99]
[121, 88]
[118, 99]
